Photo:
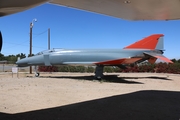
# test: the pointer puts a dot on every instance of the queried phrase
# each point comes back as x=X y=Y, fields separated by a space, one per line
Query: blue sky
x=72 y=28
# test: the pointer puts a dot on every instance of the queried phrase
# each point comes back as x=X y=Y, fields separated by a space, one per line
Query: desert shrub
x=63 y=68
x=146 y=68
x=77 y=69
x=47 y=69
x=108 y=69
x=158 y=67
x=90 y=69
x=66 y=68
x=111 y=69
x=168 y=68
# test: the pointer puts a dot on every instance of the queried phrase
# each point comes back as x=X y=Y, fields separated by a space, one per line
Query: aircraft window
x=45 y=51
x=49 y=51
x=39 y=53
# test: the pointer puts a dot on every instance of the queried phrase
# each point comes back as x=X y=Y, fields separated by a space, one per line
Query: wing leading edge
x=126 y=9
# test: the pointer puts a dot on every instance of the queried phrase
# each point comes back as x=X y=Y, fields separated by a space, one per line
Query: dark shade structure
x=1 y=41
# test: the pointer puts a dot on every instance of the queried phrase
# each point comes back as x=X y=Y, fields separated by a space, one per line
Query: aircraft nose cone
x=22 y=62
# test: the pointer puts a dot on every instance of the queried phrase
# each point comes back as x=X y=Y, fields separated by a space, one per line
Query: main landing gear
x=99 y=72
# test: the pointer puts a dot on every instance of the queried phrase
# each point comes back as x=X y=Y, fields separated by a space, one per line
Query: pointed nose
x=22 y=62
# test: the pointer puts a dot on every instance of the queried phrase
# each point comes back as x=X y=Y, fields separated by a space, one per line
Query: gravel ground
x=77 y=96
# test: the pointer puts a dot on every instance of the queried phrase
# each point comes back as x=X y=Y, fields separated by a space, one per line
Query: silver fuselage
x=79 y=56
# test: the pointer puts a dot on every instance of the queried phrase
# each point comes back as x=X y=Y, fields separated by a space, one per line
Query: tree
x=1 y=56
x=174 y=60
x=178 y=61
x=31 y=55
x=21 y=55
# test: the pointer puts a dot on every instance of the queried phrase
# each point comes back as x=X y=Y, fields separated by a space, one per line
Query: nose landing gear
x=37 y=74
x=36 y=71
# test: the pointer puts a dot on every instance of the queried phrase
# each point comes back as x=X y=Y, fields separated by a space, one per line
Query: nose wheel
x=36 y=71
x=37 y=74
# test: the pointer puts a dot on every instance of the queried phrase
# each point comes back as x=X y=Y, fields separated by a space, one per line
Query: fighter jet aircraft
x=149 y=48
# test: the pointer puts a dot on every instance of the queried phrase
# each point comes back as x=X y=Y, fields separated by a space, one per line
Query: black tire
x=37 y=74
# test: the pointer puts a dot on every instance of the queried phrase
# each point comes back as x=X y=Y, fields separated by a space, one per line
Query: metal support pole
x=49 y=39
x=30 y=53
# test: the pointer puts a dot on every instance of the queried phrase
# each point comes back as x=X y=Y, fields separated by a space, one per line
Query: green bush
x=158 y=67
x=90 y=69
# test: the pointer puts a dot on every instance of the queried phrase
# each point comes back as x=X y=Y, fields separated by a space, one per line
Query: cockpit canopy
x=49 y=51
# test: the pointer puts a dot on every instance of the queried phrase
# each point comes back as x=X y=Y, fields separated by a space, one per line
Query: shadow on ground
x=111 y=78
x=142 y=105
x=106 y=78
x=151 y=77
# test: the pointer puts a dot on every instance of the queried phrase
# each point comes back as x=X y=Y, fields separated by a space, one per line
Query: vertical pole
x=49 y=39
x=3 y=67
x=30 y=53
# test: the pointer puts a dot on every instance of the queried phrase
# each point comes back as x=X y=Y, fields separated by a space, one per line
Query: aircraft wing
x=118 y=61
x=8 y=7
x=125 y=9
x=128 y=9
x=109 y=62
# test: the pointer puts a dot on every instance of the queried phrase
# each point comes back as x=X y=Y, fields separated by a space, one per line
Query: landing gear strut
x=99 y=72
x=36 y=71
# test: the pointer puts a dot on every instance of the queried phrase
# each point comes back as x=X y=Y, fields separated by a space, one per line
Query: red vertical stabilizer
x=149 y=42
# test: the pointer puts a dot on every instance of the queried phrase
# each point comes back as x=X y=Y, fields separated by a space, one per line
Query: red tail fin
x=149 y=42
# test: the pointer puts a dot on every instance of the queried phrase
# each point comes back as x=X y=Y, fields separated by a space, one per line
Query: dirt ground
x=77 y=96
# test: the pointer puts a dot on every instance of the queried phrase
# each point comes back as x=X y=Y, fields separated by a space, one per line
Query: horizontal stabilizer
x=159 y=56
